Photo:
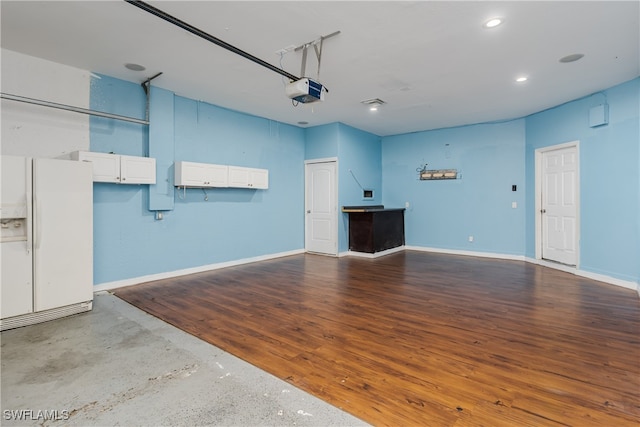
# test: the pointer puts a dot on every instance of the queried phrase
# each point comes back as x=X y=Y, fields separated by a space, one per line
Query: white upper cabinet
x=137 y=170
x=106 y=167
x=190 y=174
x=259 y=178
x=118 y=168
x=240 y=177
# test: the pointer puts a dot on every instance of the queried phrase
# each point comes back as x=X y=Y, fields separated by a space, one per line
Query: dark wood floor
x=423 y=339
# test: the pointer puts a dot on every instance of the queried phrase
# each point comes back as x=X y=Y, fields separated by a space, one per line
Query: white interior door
x=321 y=207
x=63 y=233
x=559 y=205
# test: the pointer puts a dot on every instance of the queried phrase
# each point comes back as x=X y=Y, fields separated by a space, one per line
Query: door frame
x=335 y=193
x=538 y=196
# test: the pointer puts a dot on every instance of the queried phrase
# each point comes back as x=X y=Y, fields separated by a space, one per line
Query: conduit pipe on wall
x=65 y=107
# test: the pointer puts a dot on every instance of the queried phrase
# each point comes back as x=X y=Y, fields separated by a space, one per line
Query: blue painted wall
x=359 y=155
x=162 y=147
x=321 y=142
x=443 y=214
x=235 y=224
x=232 y=224
x=111 y=136
x=609 y=177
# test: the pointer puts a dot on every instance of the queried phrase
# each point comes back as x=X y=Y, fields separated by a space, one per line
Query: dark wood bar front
x=375 y=229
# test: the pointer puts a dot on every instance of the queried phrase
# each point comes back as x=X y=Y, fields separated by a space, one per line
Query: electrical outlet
x=470 y=239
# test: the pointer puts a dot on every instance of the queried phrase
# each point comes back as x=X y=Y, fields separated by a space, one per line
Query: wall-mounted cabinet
x=240 y=177
x=201 y=175
x=119 y=169
x=190 y=174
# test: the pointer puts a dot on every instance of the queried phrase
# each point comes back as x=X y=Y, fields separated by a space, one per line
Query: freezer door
x=16 y=295
x=16 y=279
x=63 y=233
x=16 y=187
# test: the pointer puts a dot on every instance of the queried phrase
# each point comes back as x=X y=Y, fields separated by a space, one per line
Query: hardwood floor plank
x=423 y=339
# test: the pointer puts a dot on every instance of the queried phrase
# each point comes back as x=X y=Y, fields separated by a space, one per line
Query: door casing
x=538 y=196
x=334 y=230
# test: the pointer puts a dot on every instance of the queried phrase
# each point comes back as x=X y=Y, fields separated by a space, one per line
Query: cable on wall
x=356 y=179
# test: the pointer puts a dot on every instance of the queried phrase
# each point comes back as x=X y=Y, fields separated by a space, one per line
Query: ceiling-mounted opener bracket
x=146 y=85
x=318 y=51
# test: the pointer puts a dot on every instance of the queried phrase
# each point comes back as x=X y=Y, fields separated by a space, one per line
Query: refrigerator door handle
x=38 y=223
x=28 y=230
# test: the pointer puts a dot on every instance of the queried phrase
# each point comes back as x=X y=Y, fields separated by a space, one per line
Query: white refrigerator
x=46 y=240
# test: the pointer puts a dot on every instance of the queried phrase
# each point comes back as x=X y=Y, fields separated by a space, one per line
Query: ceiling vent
x=373 y=104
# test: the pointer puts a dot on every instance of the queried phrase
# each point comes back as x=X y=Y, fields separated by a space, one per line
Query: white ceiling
x=432 y=62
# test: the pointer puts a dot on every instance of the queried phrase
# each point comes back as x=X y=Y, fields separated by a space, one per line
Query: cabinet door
x=217 y=176
x=137 y=170
x=239 y=177
x=106 y=167
x=259 y=178
x=190 y=174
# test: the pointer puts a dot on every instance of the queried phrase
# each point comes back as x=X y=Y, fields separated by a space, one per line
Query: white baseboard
x=373 y=255
x=589 y=275
x=170 y=274
x=467 y=253
x=594 y=276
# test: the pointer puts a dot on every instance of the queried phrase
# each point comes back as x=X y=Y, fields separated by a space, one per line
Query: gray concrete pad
x=118 y=366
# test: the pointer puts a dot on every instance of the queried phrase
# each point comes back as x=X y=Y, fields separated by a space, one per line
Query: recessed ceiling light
x=493 y=22
x=521 y=79
x=571 y=58
x=302 y=123
x=134 y=67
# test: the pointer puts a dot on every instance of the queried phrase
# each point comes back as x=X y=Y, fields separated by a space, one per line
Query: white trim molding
x=569 y=269
x=373 y=255
x=322 y=160
x=466 y=253
x=170 y=274
x=587 y=274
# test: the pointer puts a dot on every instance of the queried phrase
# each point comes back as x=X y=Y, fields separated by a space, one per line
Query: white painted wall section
x=36 y=131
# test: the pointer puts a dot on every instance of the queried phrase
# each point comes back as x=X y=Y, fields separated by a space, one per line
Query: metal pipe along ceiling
x=193 y=30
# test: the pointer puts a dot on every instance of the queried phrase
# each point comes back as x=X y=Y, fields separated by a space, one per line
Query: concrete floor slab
x=119 y=366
